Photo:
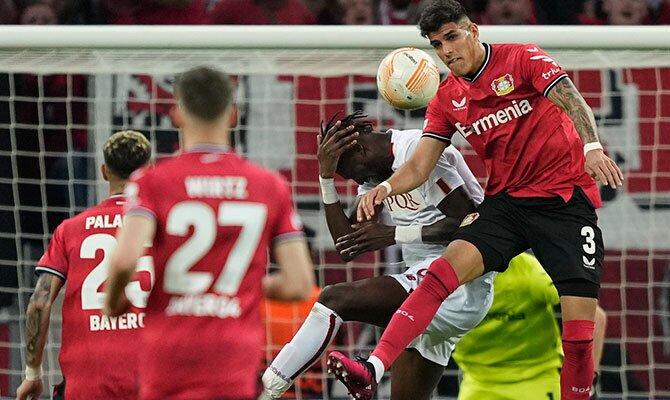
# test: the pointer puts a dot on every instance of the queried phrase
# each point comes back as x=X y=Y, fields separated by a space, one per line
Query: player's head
x=453 y=36
x=205 y=98
x=124 y=152
x=371 y=158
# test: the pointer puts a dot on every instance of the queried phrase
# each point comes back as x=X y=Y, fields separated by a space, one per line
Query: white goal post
x=65 y=89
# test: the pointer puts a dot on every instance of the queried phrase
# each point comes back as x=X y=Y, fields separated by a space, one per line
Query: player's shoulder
x=511 y=48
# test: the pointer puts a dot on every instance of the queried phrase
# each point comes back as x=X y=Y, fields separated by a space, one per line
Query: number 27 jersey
x=216 y=216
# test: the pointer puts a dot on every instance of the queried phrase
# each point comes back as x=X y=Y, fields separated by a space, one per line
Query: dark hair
x=351 y=119
x=438 y=13
x=126 y=151
x=204 y=92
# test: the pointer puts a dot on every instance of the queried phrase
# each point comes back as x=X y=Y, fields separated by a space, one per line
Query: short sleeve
x=289 y=225
x=539 y=68
x=55 y=260
x=436 y=125
x=139 y=197
x=443 y=179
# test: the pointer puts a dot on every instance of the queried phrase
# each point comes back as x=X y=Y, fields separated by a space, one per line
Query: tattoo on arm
x=38 y=309
x=566 y=96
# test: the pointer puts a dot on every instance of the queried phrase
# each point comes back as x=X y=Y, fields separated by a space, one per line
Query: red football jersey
x=529 y=145
x=216 y=216
x=99 y=354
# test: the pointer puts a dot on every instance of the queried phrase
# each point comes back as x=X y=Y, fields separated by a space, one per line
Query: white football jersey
x=420 y=205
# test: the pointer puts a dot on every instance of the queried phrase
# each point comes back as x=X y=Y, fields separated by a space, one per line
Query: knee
x=333 y=297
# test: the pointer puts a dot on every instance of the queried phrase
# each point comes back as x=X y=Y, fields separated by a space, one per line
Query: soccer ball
x=408 y=78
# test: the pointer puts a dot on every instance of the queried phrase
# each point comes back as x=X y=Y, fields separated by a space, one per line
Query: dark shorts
x=564 y=237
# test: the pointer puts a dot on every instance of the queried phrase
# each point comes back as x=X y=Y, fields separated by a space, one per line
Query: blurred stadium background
x=63 y=90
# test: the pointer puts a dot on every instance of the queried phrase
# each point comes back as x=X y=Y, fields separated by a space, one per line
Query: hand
x=603 y=169
x=367 y=203
x=336 y=141
x=30 y=389
x=368 y=236
x=121 y=306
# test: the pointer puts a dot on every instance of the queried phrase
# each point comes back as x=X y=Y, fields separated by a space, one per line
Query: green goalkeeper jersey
x=519 y=337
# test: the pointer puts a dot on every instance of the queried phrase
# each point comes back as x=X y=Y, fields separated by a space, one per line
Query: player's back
x=98 y=354
x=216 y=216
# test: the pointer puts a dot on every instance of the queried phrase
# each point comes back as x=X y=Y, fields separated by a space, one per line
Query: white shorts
x=461 y=311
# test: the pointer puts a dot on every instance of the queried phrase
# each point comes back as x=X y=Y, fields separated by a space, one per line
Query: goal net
x=64 y=90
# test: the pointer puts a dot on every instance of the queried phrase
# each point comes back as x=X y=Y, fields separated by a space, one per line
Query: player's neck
x=480 y=59
x=116 y=188
x=214 y=135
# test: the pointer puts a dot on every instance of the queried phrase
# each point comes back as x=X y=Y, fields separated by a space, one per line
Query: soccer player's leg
x=413 y=377
x=486 y=241
x=567 y=241
x=371 y=300
x=418 y=369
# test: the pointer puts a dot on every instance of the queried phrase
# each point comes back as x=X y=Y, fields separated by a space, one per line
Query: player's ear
x=232 y=116
x=177 y=116
x=103 y=170
x=474 y=31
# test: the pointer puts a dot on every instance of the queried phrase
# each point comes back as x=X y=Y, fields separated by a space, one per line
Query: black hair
x=361 y=127
x=438 y=13
x=205 y=93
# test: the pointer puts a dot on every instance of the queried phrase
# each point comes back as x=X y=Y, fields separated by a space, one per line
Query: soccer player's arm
x=446 y=190
x=52 y=268
x=554 y=83
x=294 y=279
x=415 y=171
x=137 y=231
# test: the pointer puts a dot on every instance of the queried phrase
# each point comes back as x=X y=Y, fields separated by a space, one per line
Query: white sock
x=307 y=346
x=378 y=366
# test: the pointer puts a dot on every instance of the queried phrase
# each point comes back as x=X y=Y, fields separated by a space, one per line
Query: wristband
x=33 y=374
x=328 y=191
x=408 y=234
x=592 y=146
x=386 y=186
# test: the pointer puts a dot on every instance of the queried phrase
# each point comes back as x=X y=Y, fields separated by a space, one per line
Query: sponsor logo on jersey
x=499 y=117
x=551 y=73
x=503 y=85
x=459 y=105
x=470 y=218
x=403 y=203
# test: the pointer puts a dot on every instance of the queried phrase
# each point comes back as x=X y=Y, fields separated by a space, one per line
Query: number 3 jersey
x=216 y=216
x=98 y=355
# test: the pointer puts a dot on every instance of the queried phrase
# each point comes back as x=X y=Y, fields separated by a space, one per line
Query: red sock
x=577 y=372
x=415 y=314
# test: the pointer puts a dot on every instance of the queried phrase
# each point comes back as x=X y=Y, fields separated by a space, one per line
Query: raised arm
x=37 y=326
x=602 y=168
x=408 y=177
x=132 y=237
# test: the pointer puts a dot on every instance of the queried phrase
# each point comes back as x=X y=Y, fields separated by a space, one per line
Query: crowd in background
x=327 y=12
